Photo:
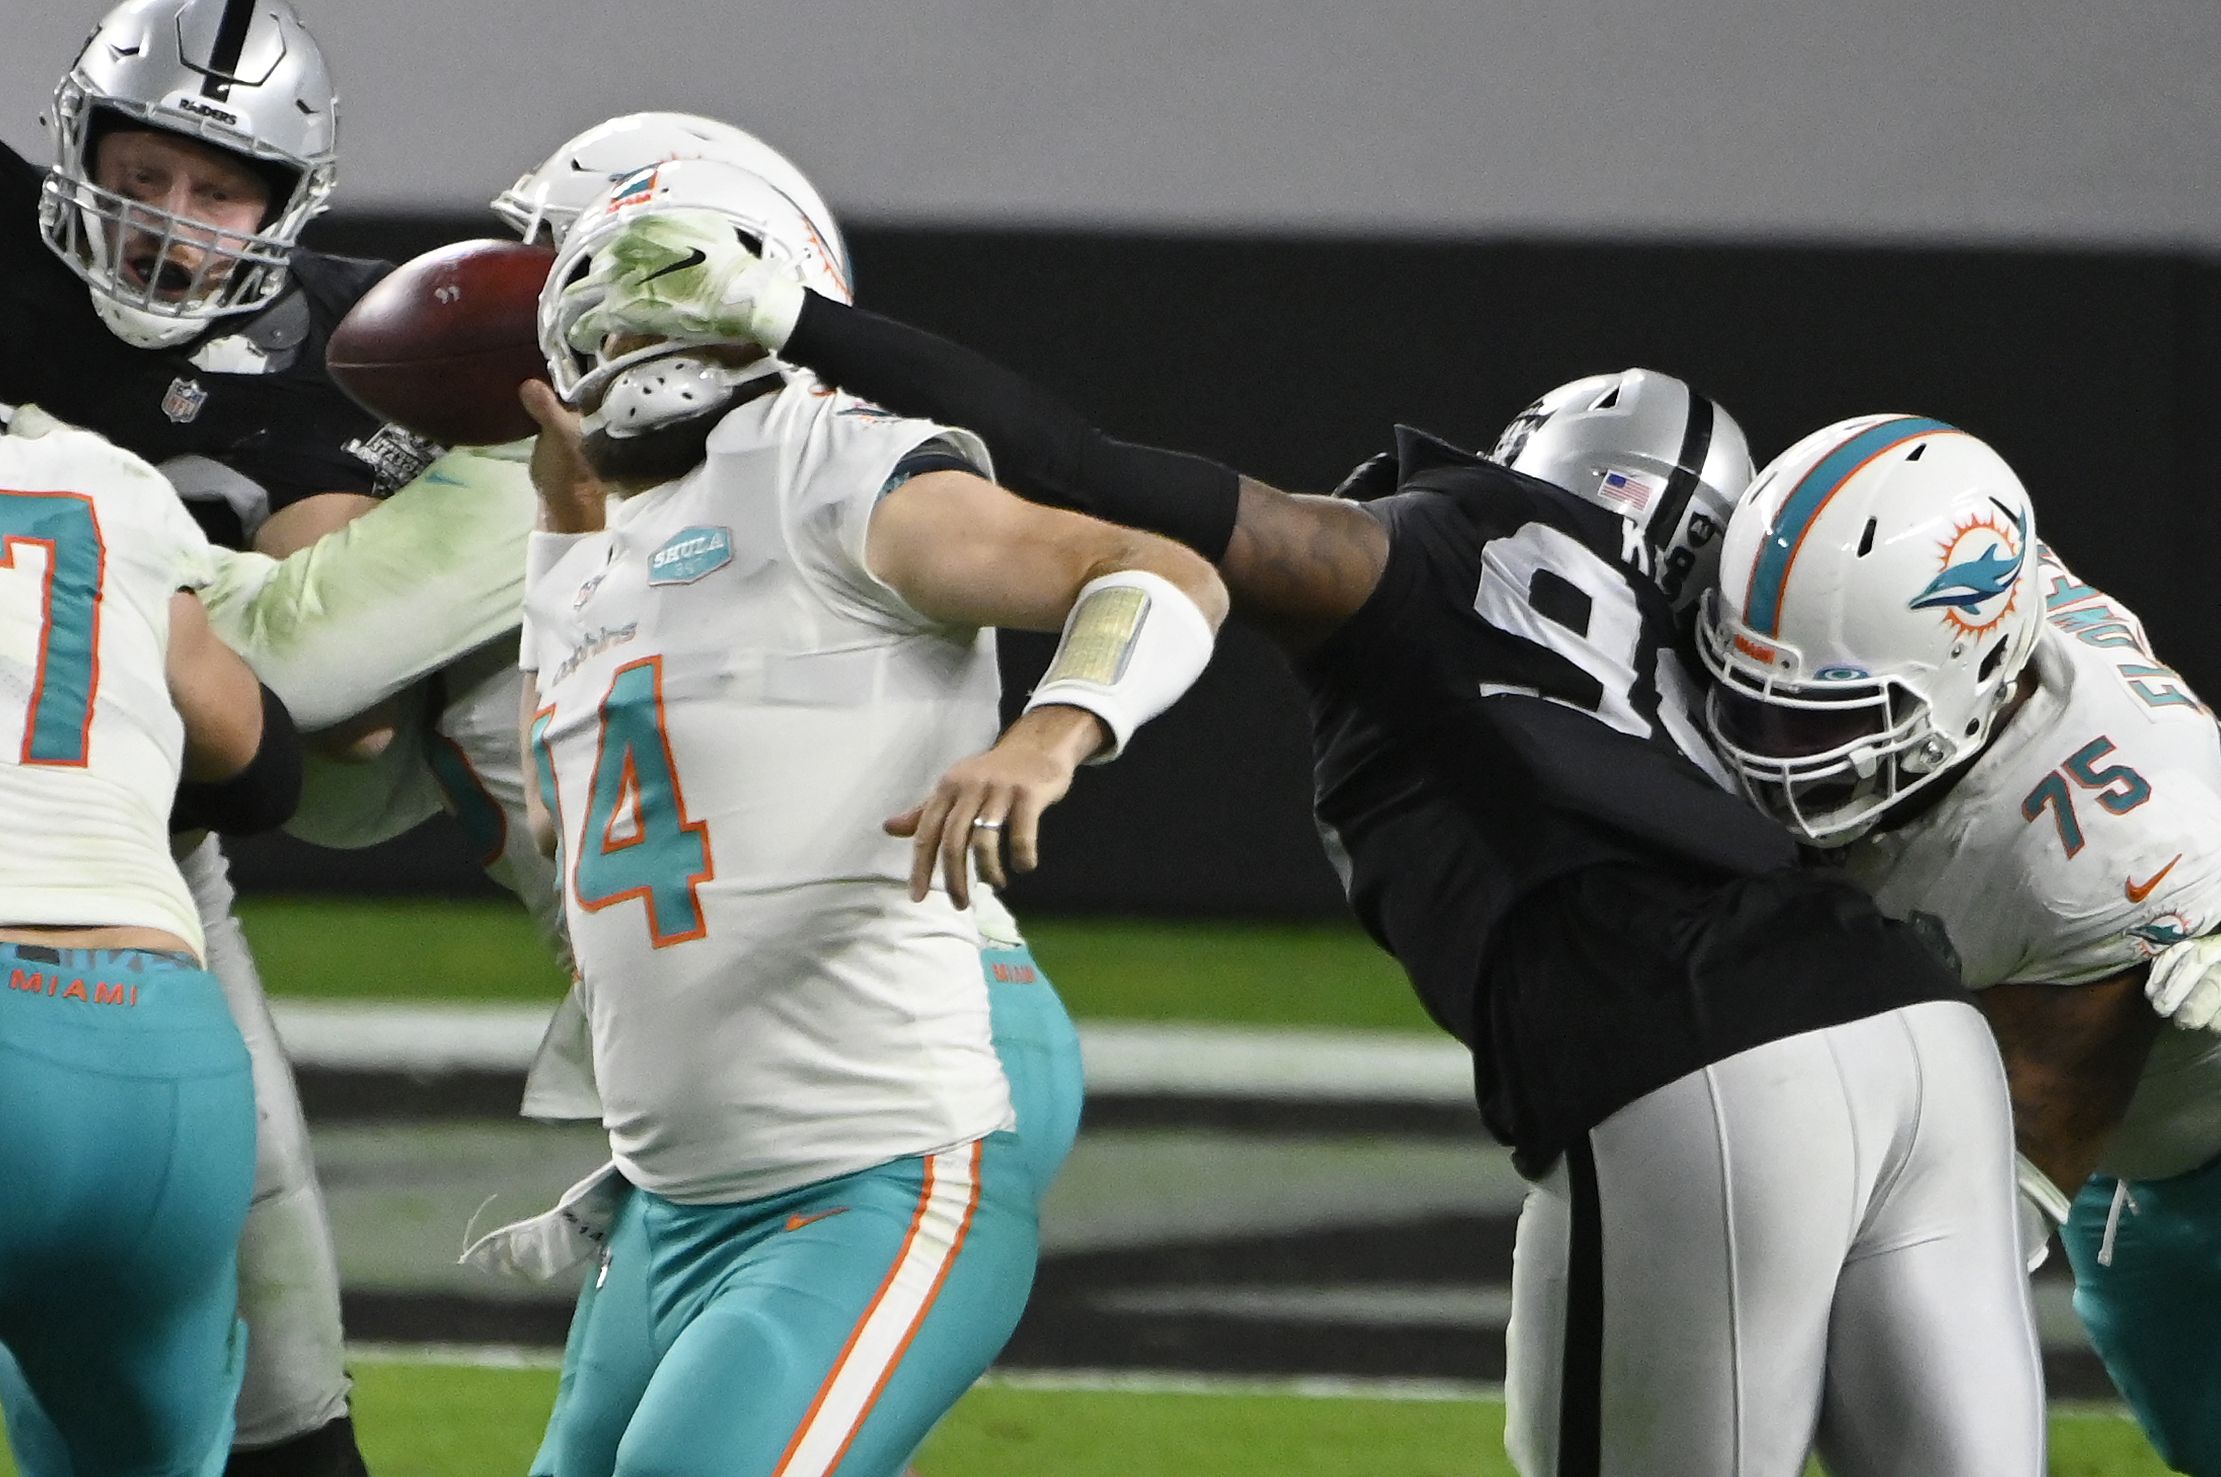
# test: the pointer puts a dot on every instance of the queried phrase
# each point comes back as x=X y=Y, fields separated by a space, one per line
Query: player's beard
x=654 y=457
x=669 y=451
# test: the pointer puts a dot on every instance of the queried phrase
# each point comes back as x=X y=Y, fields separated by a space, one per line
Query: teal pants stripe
x=622 y=1335
x=128 y=1164
x=2154 y=1312
x=815 y=1333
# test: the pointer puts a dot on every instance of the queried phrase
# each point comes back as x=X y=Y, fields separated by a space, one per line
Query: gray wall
x=2058 y=120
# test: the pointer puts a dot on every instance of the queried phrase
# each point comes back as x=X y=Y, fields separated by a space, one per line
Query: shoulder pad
x=1374 y=477
x=336 y=283
x=1422 y=451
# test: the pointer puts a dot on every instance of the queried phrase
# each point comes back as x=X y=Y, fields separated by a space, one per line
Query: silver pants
x=288 y=1274
x=1807 y=1247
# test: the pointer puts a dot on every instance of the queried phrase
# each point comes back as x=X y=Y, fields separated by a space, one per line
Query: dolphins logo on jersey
x=1982 y=561
x=2162 y=932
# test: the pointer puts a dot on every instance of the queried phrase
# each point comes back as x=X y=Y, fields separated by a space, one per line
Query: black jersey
x=266 y=413
x=1514 y=685
x=1506 y=721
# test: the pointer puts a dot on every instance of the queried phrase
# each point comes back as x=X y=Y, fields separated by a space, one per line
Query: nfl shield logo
x=184 y=400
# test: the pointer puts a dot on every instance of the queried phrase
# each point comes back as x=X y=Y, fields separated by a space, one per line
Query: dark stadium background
x=2096 y=373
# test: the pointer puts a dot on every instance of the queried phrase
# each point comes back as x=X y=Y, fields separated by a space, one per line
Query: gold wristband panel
x=1099 y=639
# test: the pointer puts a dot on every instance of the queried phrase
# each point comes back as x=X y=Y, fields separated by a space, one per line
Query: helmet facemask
x=148 y=67
x=1828 y=756
x=1879 y=604
x=649 y=407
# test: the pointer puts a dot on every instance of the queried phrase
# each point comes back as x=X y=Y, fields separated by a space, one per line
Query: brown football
x=442 y=343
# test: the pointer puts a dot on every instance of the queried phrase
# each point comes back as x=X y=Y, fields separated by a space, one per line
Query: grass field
x=421 y=1417
x=1261 y=974
x=429 y=1419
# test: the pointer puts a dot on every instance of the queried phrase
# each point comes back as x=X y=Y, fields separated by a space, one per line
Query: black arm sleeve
x=1044 y=450
x=260 y=797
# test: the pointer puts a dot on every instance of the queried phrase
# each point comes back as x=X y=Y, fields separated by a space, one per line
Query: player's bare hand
x=573 y=498
x=995 y=800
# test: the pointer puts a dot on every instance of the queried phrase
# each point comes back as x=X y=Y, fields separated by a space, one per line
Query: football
x=441 y=344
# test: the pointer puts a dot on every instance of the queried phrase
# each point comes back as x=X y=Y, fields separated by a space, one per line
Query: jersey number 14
x=634 y=839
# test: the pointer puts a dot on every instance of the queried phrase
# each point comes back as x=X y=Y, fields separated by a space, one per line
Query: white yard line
x=1123 y=1057
x=1119 y=1381
x=1116 y=1381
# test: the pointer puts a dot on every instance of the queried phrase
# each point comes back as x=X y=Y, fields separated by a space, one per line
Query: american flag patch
x=1632 y=495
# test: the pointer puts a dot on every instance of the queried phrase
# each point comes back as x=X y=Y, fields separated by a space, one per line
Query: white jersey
x=2079 y=845
x=476 y=754
x=730 y=705
x=93 y=543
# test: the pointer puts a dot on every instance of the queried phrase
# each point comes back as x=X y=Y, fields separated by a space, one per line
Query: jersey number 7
x=57 y=723
x=634 y=840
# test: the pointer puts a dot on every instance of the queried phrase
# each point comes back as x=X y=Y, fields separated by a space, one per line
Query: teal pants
x=125 y=1173
x=1040 y=1053
x=2154 y=1312
x=784 y=1290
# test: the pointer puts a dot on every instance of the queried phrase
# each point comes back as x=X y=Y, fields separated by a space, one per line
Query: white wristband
x=1132 y=645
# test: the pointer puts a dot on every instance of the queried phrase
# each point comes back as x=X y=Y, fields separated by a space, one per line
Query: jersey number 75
x=2118 y=788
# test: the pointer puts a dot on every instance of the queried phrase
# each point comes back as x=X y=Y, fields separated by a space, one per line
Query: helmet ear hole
x=1991 y=662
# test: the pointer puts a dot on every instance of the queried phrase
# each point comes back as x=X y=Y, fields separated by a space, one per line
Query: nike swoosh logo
x=694 y=258
x=797 y=1222
x=2138 y=891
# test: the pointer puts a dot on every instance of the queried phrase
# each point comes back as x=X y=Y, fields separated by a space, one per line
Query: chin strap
x=144 y=330
x=667 y=389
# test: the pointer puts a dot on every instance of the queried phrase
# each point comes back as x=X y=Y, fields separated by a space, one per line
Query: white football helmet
x=547 y=198
x=1648 y=447
x=243 y=76
x=1877 y=601
x=643 y=388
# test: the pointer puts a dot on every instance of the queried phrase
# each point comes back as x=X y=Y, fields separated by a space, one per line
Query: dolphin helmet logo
x=1982 y=562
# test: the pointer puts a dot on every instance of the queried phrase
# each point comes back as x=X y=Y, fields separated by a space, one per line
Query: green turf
x=1297 y=974
x=443 y=1421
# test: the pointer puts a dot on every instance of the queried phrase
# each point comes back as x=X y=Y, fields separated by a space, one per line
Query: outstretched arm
x=1299 y=565
x=386 y=598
